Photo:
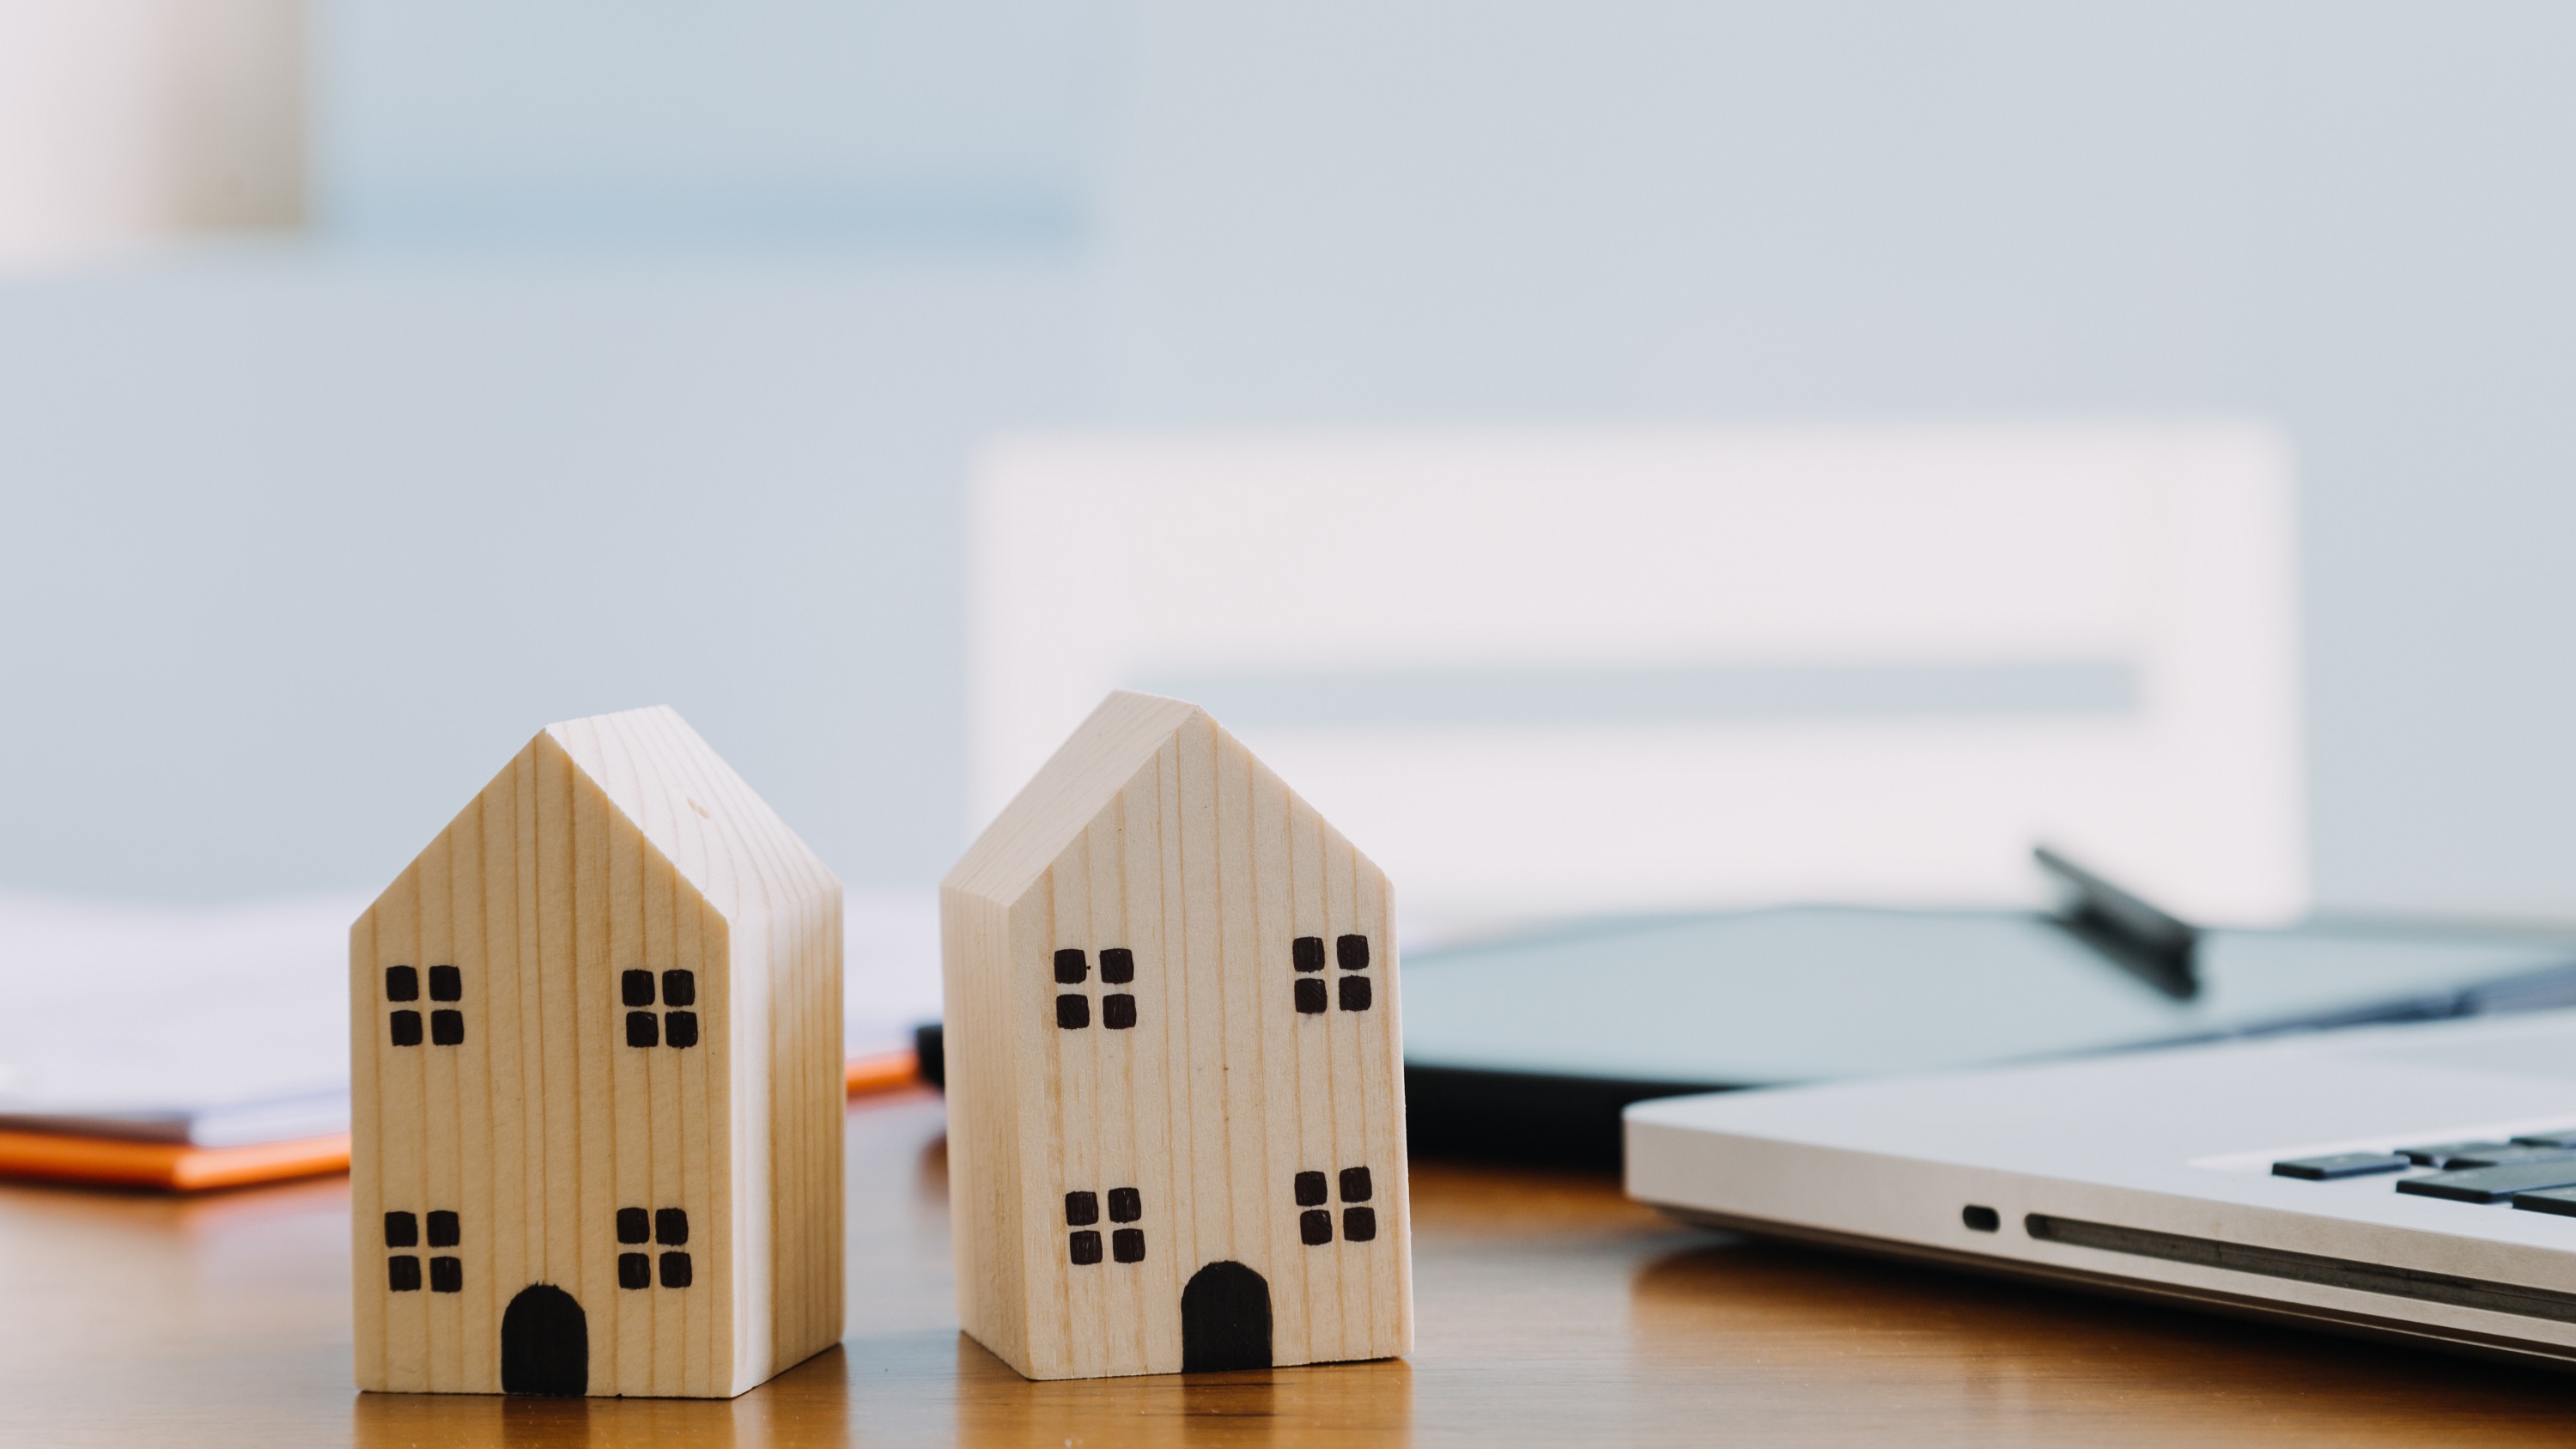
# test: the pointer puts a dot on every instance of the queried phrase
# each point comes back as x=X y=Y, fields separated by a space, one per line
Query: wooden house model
x=1175 y=1099
x=595 y=1055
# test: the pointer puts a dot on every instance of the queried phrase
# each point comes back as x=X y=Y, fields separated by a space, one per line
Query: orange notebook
x=180 y=1167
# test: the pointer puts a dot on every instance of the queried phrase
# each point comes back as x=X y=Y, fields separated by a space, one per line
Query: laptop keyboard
x=2536 y=1171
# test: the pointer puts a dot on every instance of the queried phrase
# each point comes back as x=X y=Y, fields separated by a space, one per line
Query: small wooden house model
x=1175 y=1099
x=595 y=1056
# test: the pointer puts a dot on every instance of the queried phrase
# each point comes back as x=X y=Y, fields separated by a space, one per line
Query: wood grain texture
x=1234 y=1071
x=610 y=845
x=1552 y=1312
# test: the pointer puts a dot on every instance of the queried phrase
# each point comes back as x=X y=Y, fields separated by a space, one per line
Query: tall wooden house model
x=1176 y=1113
x=595 y=1052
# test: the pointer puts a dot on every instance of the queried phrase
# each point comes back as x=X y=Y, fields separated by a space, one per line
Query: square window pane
x=679 y=988
x=1073 y=1012
x=446 y=1028
x=1355 y=993
x=680 y=1028
x=402 y=983
x=635 y=988
x=1359 y=1224
x=402 y=1230
x=1127 y=1245
x=643 y=1029
x=1126 y=1204
x=1310 y=994
x=1086 y=1248
x=1310 y=1188
x=670 y=1227
x=402 y=1274
x=1117 y=965
x=1307 y=952
x=1315 y=1227
x=1118 y=1011
x=443 y=1229
x=634 y=1225
x=446 y=983
x=1081 y=1209
x=1351 y=952
x=446 y=1275
x=675 y=1270
x=634 y=1270
x=1071 y=966
x=406 y=1026
x=1355 y=1184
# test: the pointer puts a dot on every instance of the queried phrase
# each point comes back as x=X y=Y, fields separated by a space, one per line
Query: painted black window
x=671 y=1227
x=406 y=1028
x=402 y=1230
x=1315 y=1227
x=643 y=1028
x=1082 y=1209
x=402 y=1274
x=446 y=983
x=402 y=983
x=1307 y=952
x=634 y=1270
x=1310 y=995
x=1351 y=952
x=634 y=1225
x=446 y=1275
x=1071 y=967
x=1359 y=1224
x=444 y=1231
x=1355 y=1184
x=1310 y=1189
x=675 y=1270
x=1355 y=993
x=1118 y=1011
x=1117 y=965
x=446 y=1028
x=1073 y=1011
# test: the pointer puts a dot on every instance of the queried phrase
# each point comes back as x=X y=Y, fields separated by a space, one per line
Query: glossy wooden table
x=1551 y=1312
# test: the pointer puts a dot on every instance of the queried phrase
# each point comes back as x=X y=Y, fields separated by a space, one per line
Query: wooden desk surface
x=1552 y=1312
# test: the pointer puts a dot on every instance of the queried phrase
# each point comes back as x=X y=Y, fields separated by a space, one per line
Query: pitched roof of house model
x=689 y=805
x=1120 y=738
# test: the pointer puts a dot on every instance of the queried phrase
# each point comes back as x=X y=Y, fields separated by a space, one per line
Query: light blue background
x=640 y=349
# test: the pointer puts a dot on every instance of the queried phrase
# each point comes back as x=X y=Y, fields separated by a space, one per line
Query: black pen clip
x=2156 y=946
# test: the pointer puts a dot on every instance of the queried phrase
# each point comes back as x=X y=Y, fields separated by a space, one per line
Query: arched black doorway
x=1225 y=1320
x=545 y=1343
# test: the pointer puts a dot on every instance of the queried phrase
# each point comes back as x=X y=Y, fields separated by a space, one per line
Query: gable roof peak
x=1075 y=784
x=688 y=804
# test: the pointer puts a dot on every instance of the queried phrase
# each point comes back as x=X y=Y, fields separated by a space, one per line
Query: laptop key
x=2441 y=1153
x=2564 y=1138
x=2494 y=1184
x=2560 y=1200
x=2508 y=1157
x=2342 y=1164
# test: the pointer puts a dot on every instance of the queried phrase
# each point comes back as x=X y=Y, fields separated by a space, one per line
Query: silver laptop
x=2407 y=1182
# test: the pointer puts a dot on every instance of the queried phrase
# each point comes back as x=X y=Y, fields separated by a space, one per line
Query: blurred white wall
x=124 y=122
x=710 y=282
x=2350 y=218
x=756 y=121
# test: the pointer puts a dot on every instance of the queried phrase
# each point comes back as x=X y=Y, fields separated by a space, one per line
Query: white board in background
x=1542 y=672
